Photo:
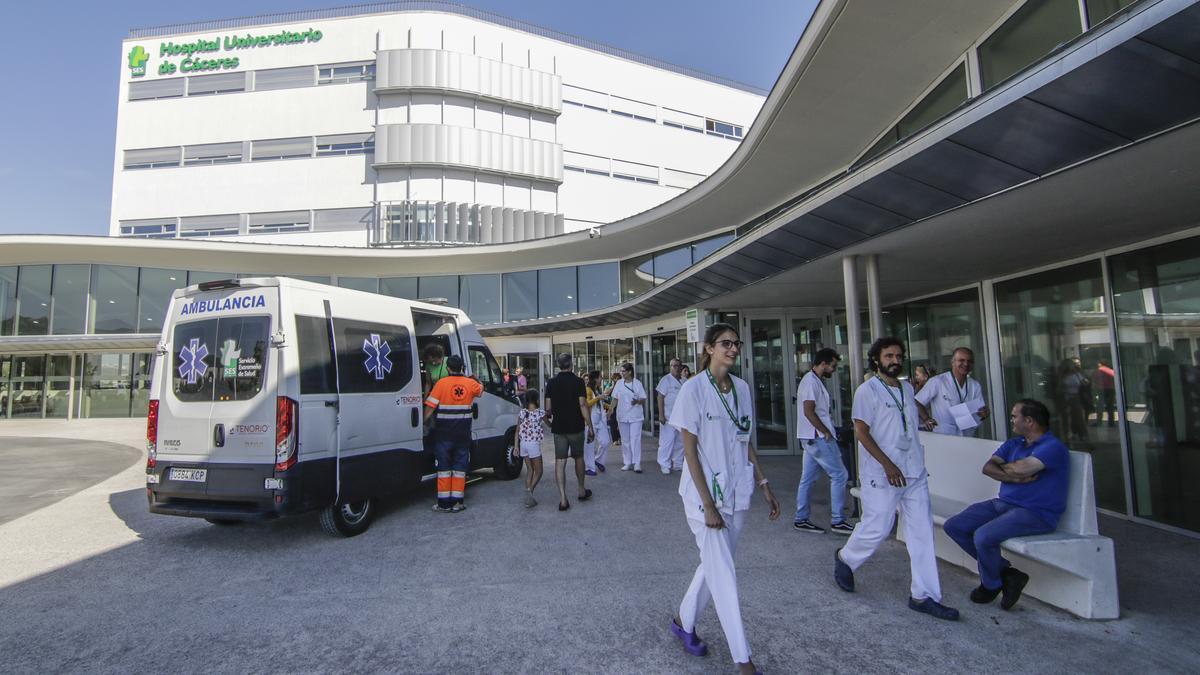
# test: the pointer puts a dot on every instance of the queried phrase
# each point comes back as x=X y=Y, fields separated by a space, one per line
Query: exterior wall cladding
x=521 y=121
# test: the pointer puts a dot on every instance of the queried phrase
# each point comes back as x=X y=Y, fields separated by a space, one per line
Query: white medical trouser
x=716 y=580
x=631 y=442
x=597 y=450
x=879 y=502
x=670 y=447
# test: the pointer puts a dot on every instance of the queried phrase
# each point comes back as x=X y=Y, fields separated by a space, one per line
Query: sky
x=59 y=115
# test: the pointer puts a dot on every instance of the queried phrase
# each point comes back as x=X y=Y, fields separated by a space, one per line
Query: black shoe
x=587 y=494
x=807 y=526
x=981 y=595
x=842 y=574
x=933 y=608
x=842 y=528
x=1013 y=581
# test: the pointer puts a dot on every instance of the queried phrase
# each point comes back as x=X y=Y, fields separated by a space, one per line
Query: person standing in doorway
x=434 y=358
x=714 y=414
x=614 y=429
x=566 y=406
x=815 y=430
x=670 y=441
x=892 y=461
x=522 y=382
x=451 y=399
x=946 y=390
x=630 y=395
x=1104 y=381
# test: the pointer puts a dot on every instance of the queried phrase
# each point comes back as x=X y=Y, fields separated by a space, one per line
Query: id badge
x=904 y=443
x=743 y=436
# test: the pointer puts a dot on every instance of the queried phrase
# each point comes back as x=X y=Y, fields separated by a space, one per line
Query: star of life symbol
x=377 y=352
x=192 y=356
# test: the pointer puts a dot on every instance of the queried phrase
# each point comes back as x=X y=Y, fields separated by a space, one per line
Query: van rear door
x=220 y=411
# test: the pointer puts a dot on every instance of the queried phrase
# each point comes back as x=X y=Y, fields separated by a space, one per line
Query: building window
x=341 y=73
x=152 y=228
x=345 y=144
x=212 y=153
x=1053 y=337
x=445 y=287
x=284 y=78
x=1035 y=30
x=365 y=284
x=154 y=294
x=1156 y=294
x=599 y=286
x=1099 y=10
x=730 y=131
x=481 y=297
x=278 y=222
x=520 y=296
x=637 y=276
x=33 y=300
x=341 y=220
x=69 y=305
x=950 y=93
x=281 y=148
x=149 y=90
x=557 y=293
x=706 y=247
x=152 y=158
x=114 y=299
x=399 y=287
x=220 y=83
x=8 y=302
x=225 y=225
x=669 y=263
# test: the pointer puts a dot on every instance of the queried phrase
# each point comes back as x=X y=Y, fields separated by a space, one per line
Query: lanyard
x=742 y=424
x=900 y=403
x=962 y=393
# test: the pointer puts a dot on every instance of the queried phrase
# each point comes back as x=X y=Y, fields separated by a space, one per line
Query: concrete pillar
x=560 y=224
x=508 y=233
x=485 y=225
x=853 y=329
x=874 y=305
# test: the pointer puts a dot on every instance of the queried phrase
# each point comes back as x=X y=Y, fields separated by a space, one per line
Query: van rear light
x=152 y=435
x=286 y=432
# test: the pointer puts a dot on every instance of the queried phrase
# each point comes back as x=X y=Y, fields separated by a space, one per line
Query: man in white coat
x=630 y=395
x=670 y=441
x=892 y=462
x=954 y=387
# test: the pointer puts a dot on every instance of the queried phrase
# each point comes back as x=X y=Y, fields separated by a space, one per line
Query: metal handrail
x=435 y=6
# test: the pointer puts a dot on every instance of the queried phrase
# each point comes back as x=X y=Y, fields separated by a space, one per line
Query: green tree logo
x=137 y=61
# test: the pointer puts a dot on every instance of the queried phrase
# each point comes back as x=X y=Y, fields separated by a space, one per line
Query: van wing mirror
x=161 y=349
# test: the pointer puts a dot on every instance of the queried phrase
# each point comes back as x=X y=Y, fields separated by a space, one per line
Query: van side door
x=496 y=411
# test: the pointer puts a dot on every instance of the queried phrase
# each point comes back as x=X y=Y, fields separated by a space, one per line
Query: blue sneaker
x=933 y=608
x=842 y=574
x=589 y=472
x=600 y=467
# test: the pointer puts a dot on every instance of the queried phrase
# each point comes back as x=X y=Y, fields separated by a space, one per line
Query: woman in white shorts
x=714 y=411
x=531 y=429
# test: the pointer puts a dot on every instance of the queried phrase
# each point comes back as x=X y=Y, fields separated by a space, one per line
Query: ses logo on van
x=223 y=304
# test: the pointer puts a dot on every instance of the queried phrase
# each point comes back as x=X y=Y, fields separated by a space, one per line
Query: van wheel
x=509 y=465
x=348 y=520
x=224 y=521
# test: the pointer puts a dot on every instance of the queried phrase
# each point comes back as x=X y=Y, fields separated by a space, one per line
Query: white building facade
x=403 y=127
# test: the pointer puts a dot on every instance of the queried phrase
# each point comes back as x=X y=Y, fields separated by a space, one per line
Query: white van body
x=256 y=413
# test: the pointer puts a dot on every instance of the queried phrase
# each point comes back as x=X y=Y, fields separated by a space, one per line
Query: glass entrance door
x=768 y=382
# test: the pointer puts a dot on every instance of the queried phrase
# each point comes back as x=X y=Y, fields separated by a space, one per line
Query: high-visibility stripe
x=458 y=483
x=445 y=484
x=455 y=407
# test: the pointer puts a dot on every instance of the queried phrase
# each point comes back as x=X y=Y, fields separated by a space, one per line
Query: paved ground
x=40 y=471
x=95 y=583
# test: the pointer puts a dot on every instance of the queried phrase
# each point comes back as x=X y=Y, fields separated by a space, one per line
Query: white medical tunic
x=941 y=393
x=878 y=405
x=669 y=387
x=625 y=394
x=699 y=410
x=812 y=388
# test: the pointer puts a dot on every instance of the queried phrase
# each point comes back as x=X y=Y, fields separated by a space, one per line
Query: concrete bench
x=1073 y=567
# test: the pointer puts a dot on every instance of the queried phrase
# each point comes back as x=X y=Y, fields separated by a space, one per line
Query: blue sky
x=58 y=114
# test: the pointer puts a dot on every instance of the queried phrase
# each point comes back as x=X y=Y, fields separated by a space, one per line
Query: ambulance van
x=272 y=396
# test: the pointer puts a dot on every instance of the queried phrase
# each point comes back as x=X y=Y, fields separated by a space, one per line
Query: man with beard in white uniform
x=630 y=395
x=892 y=464
x=670 y=441
x=714 y=414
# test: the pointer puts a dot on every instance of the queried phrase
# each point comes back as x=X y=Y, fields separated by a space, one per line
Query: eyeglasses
x=729 y=344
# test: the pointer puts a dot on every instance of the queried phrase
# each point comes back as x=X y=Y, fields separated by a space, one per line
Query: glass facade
x=480 y=295
x=520 y=296
x=1032 y=32
x=33 y=300
x=114 y=299
x=69 y=292
x=154 y=294
x=599 y=286
x=557 y=292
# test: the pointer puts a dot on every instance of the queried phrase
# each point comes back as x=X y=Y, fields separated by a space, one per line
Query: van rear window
x=221 y=359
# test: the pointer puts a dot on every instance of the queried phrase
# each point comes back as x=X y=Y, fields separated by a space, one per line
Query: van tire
x=348 y=520
x=508 y=465
x=225 y=522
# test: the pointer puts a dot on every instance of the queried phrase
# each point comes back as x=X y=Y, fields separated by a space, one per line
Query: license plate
x=188 y=475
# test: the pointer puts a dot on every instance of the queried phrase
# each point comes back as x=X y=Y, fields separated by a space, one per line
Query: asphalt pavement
x=40 y=471
x=94 y=583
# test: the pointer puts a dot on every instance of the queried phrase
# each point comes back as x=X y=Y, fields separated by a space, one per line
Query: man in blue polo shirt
x=1034 y=471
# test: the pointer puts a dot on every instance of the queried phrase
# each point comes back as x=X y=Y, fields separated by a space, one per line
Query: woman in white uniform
x=714 y=413
x=595 y=451
x=629 y=394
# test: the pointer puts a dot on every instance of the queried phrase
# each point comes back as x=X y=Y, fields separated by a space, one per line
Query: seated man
x=1034 y=470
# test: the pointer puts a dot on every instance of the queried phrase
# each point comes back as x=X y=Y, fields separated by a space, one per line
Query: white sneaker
x=626 y=467
x=665 y=471
x=637 y=468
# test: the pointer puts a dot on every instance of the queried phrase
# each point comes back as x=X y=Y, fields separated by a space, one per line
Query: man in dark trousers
x=566 y=406
x=451 y=399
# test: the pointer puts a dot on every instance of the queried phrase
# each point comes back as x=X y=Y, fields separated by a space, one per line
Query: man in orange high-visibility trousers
x=451 y=399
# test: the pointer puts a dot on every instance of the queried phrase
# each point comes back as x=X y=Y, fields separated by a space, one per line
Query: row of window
x=207 y=154
x=632 y=171
x=72 y=299
x=252 y=80
x=1037 y=28
x=648 y=112
x=234 y=224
